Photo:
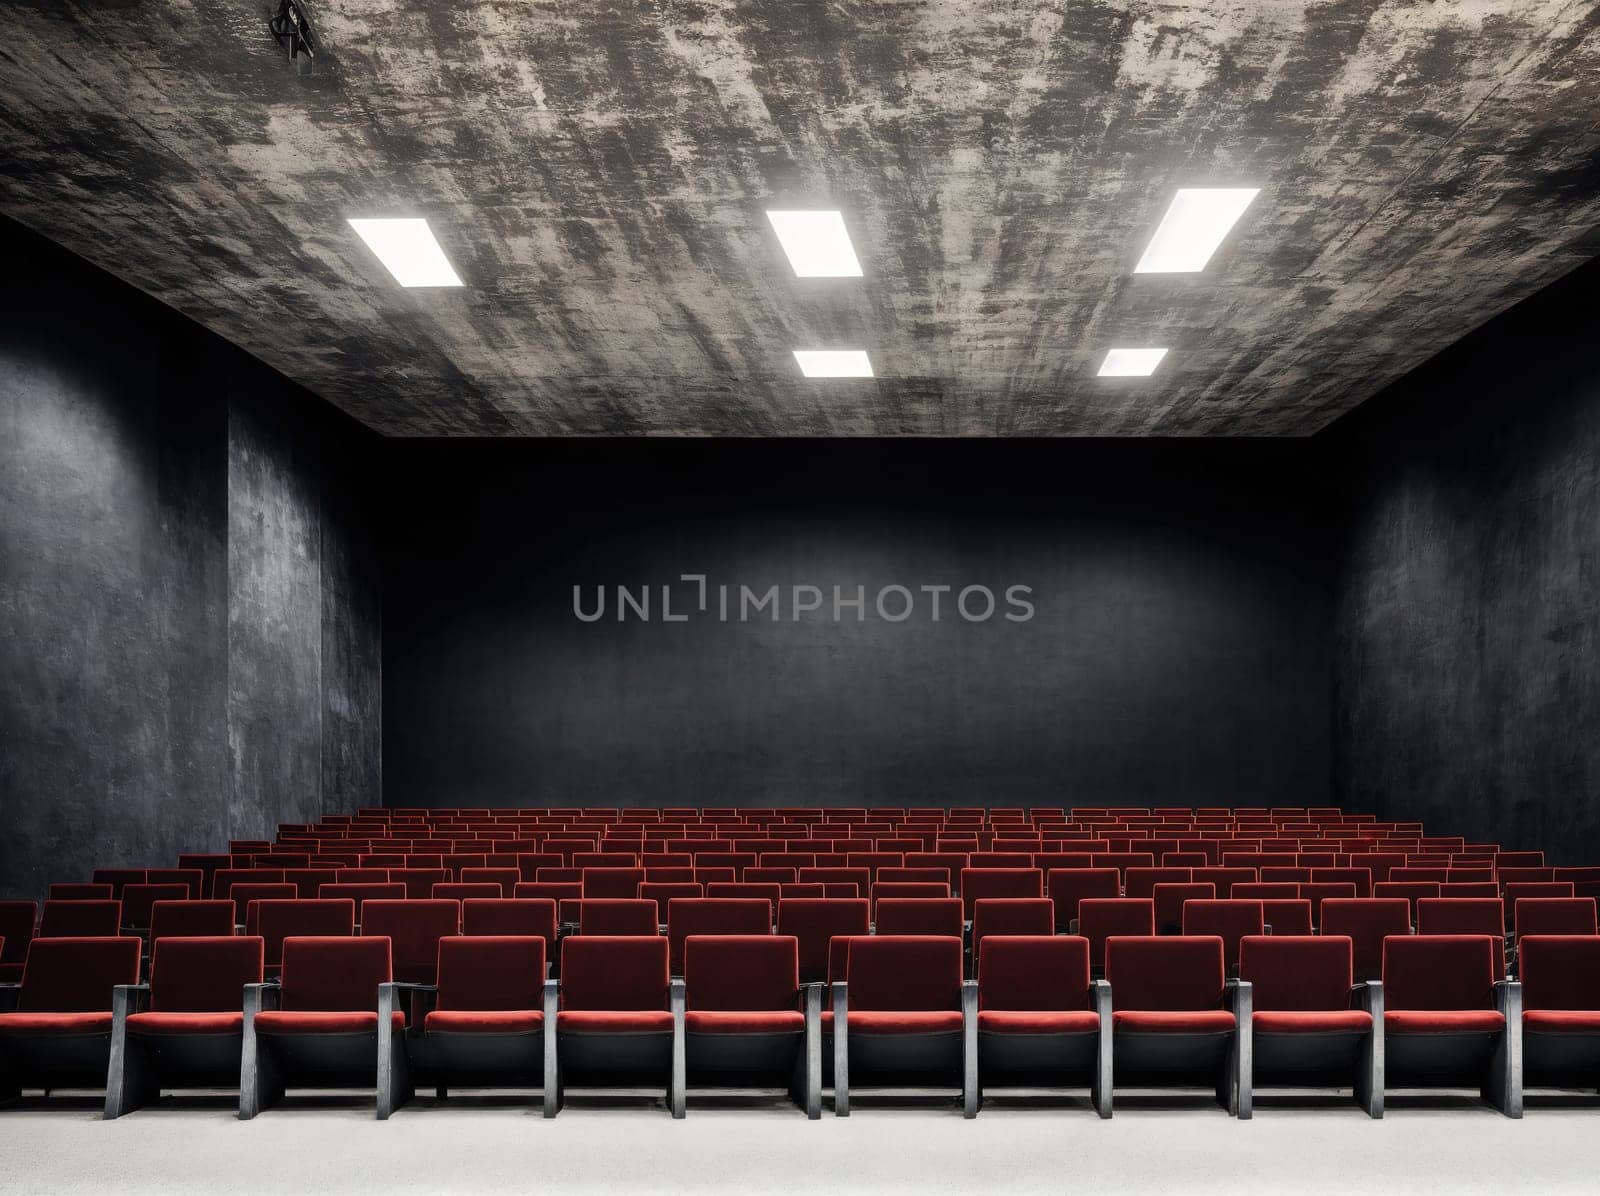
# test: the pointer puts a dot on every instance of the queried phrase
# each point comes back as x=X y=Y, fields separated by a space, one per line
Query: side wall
x=1467 y=627
x=189 y=616
x=1178 y=652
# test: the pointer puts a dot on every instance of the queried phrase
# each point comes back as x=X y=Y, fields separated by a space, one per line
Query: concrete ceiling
x=597 y=171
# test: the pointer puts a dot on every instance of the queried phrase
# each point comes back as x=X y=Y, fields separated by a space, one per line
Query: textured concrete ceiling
x=597 y=171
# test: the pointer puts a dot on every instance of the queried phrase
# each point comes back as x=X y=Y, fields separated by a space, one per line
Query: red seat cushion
x=185 y=1023
x=722 y=1021
x=1313 y=1021
x=1443 y=1021
x=615 y=1021
x=899 y=1021
x=1562 y=1021
x=1038 y=1021
x=483 y=1021
x=321 y=1021
x=1174 y=1021
x=93 y=1022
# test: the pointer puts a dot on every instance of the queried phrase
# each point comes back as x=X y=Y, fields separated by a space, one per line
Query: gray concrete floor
x=478 y=1143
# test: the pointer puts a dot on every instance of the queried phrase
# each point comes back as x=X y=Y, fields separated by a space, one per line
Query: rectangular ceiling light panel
x=1196 y=222
x=817 y=244
x=833 y=363
x=1131 y=363
x=408 y=250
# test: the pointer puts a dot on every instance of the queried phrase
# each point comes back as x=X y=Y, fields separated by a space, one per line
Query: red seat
x=814 y=923
x=901 y=1005
x=998 y=882
x=191 y=919
x=1011 y=915
x=419 y=882
x=1366 y=921
x=1099 y=918
x=1361 y=878
x=1305 y=1023
x=622 y=883
x=1466 y=915
x=1228 y=919
x=1170 y=900
x=511 y=916
x=1172 y=1018
x=611 y=987
x=192 y=1032
x=324 y=1031
x=276 y=921
x=714 y=915
x=414 y=929
x=617 y=916
x=919 y=916
x=1554 y=915
x=1444 y=1017
x=1561 y=1018
x=1067 y=887
x=1038 y=1015
x=1286 y=915
x=742 y=1014
x=59 y=1035
x=490 y=985
x=80 y=919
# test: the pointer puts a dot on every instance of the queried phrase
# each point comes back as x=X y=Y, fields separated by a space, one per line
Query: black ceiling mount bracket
x=292 y=27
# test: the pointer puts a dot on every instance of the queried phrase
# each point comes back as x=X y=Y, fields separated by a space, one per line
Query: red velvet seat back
x=1069 y=886
x=1438 y=971
x=1033 y=972
x=919 y=916
x=1287 y=915
x=247 y=901
x=714 y=915
x=1171 y=898
x=278 y=920
x=1367 y=921
x=419 y=882
x=742 y=972
x=1298 y=972
x=1142 y=882
x=904 y=972
x=1461 y=915
x=998 y=882
x=1166 y=973
x=414 y=929
x=188 y=919
x=204 y=975
x=513 y=916
x=1554 y=915
x=614 y=973
x=1011 y=915
x=1099 y=918
x=80 y=919
x=16 y=928
x=815 y=921
x=76 y=975
x=504 y=878
x=612 y=882
x=616 y=915
x=1361 y=878
x=334 y=974
x=1227 y=918
x=491 y=972
x=1560 y=971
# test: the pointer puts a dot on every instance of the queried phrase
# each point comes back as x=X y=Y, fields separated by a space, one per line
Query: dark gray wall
x=1179 y=652
x=1468 y=615
x=189 y=615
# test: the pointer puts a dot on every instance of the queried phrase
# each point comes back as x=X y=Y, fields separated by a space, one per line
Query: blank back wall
x=1178 y=650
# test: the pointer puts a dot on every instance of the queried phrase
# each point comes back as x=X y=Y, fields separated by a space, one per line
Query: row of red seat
x=1164 y=1012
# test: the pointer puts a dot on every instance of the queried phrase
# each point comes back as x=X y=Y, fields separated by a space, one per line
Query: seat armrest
x=1237 y=998
x=10 y=994
x=1368 y=997
x=1072 y=926
x=1508 y=998
x=266 y=995
x=129 y=998
x=389 y=999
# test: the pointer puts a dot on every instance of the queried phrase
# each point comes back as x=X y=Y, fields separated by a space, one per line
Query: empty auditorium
x=776 y=596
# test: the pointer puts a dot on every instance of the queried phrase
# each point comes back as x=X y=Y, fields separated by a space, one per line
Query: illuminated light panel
x=408 y=250
x=834 y=363
x=1196 y=222
x=817 y=244
x=1131 y=363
